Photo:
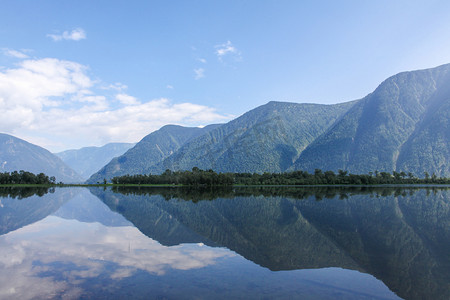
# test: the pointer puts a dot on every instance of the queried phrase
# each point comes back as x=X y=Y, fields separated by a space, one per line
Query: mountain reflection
x=196 y=194
x=400 y=236
x=20 y=206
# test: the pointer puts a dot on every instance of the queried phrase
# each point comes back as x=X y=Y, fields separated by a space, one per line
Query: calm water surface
x=279 y=243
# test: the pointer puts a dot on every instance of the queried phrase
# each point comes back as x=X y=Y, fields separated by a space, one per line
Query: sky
x=86 y=73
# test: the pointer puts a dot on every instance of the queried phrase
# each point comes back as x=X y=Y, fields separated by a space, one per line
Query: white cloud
x=227 y=49
x=74 y=35
x=14 y=53
x=96 y=103
x=55 y=104
x=202 y=60
x=127 y=99
x=36 y=82
x=116 y=86
x=170 y=87
x=199 y=73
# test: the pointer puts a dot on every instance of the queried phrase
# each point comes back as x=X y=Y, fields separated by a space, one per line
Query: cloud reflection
x=49 y=258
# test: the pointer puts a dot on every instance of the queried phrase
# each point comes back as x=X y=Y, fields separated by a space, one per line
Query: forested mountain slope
x=152 y=149
x=268 y=138
x=403 y=125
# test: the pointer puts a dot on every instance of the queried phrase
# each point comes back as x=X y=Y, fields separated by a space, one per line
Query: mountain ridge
x=88 y=160
x=403 y=125
x=371 y=136
x=17 y=154
x=150 y=150
x=281 y=129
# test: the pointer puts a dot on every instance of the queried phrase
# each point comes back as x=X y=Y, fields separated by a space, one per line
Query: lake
x=231 y=243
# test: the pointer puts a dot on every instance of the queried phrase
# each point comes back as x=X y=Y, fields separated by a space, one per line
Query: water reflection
x=23 y=206
x=400 y=236
x=196 y=194
x=231 y=243
x=59 y=257
x=24 y=192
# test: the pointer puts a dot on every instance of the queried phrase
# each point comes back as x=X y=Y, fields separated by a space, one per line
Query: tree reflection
x=24 y=192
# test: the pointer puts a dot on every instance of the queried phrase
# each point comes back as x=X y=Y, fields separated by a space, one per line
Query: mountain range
x=402 y=126
x=150 y=150
x=268 y=138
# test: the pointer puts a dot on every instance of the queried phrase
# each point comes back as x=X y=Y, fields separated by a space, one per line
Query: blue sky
x=82 y=73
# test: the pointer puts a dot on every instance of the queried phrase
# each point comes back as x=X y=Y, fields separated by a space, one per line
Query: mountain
x=86 y=161
x=403 y=125
x=152 y=149
x=266 y=139
x=17 y=154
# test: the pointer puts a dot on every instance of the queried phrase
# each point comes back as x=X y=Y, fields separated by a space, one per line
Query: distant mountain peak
x=88 y=160
x=17 y=154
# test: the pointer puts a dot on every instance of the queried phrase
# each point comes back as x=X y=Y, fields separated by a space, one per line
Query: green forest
x=198 y=177
x=24 y=177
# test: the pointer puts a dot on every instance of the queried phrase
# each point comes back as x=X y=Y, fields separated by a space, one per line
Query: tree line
x=198 y=177
x=24 y=177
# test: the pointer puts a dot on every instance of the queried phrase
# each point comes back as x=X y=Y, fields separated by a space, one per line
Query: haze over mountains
x=71 y=166
x=88 y=160
x=402 y=126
